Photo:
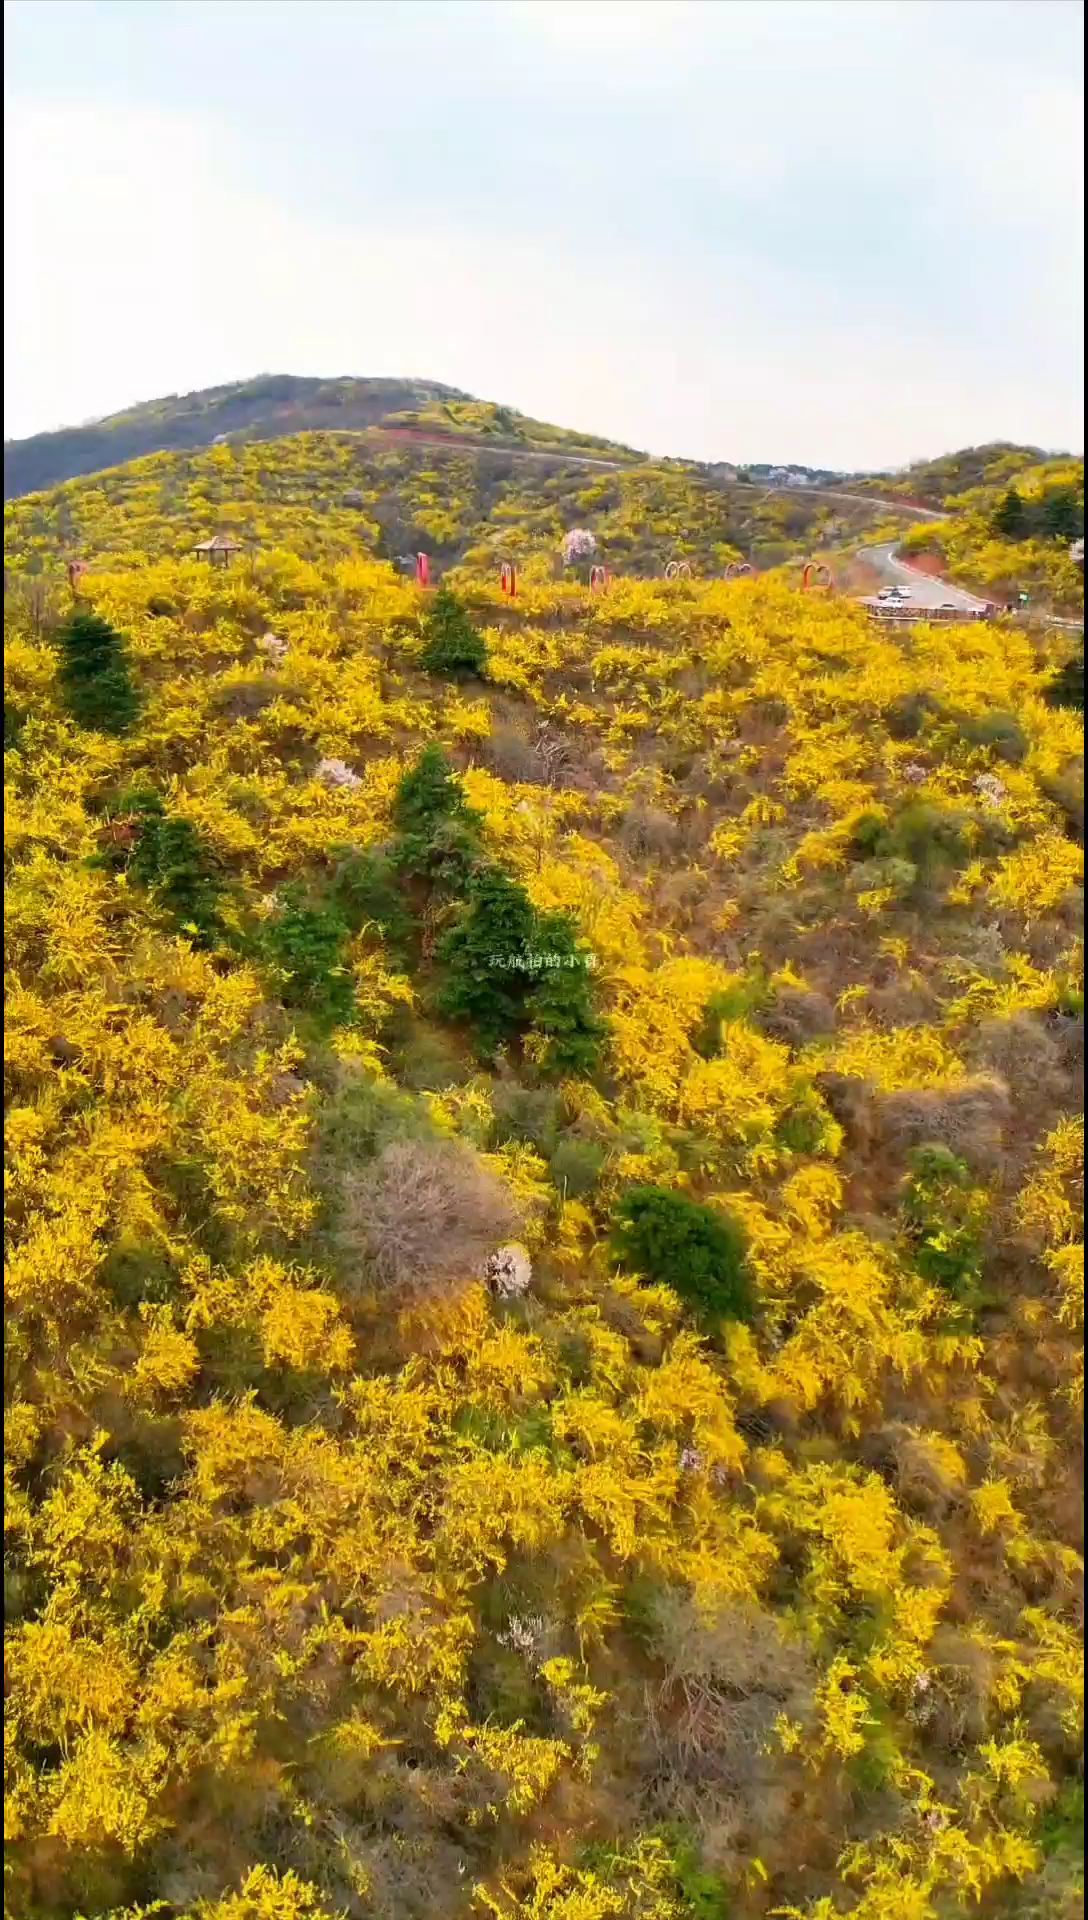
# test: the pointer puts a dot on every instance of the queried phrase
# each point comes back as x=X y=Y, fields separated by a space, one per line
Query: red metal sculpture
x=735 y=568
x=678 y=570
x=812 y=568
x=423 y=570
x=599 y=578
x=509 y=579
x=76 y=571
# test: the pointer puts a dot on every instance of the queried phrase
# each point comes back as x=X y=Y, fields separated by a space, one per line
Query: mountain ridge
x=270 y=406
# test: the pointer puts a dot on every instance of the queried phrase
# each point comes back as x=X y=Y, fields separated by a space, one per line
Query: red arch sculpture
x=678 y=570
x=599 y=578
x=423 y=570
x=816 y=567
x=76 y=571
x=735 y=568
x=508 y=578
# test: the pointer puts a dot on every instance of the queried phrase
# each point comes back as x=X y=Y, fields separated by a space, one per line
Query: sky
x=846 y=233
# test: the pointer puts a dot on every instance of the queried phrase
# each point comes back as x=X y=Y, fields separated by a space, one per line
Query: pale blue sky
x=846 y=232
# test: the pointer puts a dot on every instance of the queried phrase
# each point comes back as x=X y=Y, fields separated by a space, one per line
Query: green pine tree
x=1010 y=519
x=560 y=1006
x=94 y=675
x=486 y=957
x=452 y=645
x=172 y=862
x=437 y=831
x=306 y=946
x=1063 y=519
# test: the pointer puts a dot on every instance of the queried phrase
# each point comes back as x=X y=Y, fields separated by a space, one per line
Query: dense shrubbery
x=717 y=1547
x=1067 y=688
x=1056 y=514
x=366 y=892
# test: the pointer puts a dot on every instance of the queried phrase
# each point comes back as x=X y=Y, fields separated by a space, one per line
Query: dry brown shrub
x=246 y=698
x=796 y=1015
x=707 y=1722
x=906 y=1457
x=1069 y=1030
x=901 y=1005
x=1040 y=1058
x=851 y=1102
x=425 y=1216
x=970 y=1118
x=646 y=833
x=678 y=895
x=509 y=755
x=1021 y=1050
x=954 y=1706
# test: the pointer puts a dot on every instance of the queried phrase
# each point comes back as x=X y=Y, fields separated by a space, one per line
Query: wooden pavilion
x=219 y=551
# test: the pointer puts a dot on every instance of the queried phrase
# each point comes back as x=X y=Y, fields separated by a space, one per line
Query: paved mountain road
x=924 y=591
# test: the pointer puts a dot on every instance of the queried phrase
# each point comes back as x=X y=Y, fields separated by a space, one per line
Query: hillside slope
x=266 y=408
x=326 y=494
x=543 y=1222
x=934 y=482
x=1013 y=533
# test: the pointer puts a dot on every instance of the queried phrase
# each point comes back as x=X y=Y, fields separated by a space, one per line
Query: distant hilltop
x=273 y=406
x=270 y=407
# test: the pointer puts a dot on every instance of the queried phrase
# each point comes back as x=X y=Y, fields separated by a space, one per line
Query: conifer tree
x=438 y=832
x=486 y=955
x=1062 y=520
x=94 y=675
x=452 y=645
x=1011 y=517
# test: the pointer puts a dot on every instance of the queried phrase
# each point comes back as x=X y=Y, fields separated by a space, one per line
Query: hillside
x=1013 y=533
x=543 y=1219
x=265 y=409
x=327 y=494
x=934 y=482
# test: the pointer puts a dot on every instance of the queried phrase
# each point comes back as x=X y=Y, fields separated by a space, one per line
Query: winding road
x=924 y=590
